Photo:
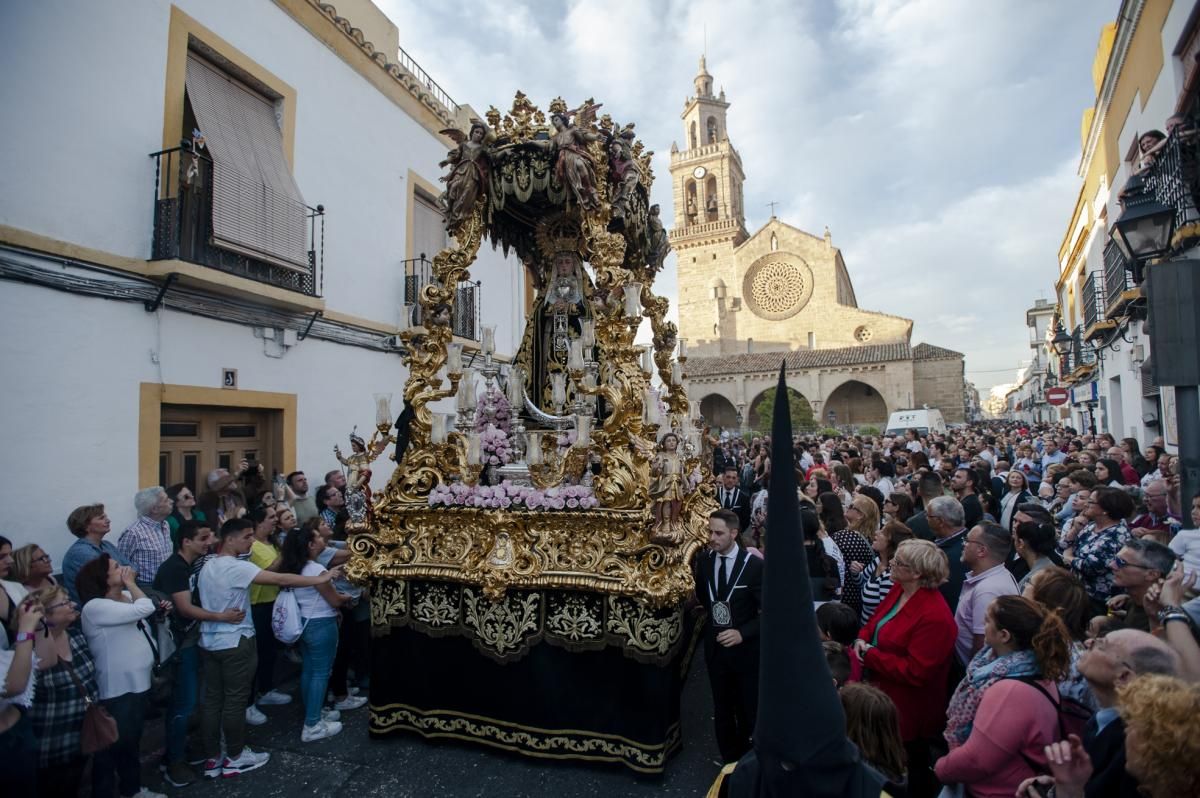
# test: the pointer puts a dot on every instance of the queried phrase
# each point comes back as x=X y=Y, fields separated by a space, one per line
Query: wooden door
x=194 y=440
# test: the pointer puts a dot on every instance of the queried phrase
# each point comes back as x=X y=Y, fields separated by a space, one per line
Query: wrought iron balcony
x=1083 y=354
x=1118 y=282
x=468 y=299
x=183 y=227
x=1094 y=302
x=1174 y=177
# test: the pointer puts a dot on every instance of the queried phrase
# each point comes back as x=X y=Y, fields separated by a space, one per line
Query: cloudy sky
x=938 y=139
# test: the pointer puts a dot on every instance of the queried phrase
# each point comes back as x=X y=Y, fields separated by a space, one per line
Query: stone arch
x=718 y=411
x=712 y=130
x=856 y=403
x=692 y=136
x=691 y=201
x=711 y=201
x=759 y=417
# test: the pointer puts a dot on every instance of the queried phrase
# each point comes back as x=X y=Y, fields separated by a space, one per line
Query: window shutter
x=429 y=231
x=258 y=210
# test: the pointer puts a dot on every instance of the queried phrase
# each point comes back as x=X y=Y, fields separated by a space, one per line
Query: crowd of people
x=174 y=623
x=1008 y=610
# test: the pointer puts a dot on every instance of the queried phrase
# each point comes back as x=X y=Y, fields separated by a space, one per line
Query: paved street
x=351 y=764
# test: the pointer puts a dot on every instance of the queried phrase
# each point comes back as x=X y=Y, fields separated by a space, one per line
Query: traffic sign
x=1057 y=396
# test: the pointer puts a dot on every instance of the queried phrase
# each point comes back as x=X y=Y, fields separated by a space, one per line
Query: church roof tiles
x=931 y=352
x=800 y=359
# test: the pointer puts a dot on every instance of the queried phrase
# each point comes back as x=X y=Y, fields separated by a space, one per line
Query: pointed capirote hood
x=800 y=744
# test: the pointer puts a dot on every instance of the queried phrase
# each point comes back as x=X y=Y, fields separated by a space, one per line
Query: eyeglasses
x=976 y=542
x=44 y=558
x=59 y=604
x=1121 y=562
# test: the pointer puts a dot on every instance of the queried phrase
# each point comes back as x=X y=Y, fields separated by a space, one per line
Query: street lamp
x=1143 y=230
x=1061 y=341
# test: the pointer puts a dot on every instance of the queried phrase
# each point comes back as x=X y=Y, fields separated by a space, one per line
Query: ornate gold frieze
x=544 y=743
x=505 y=630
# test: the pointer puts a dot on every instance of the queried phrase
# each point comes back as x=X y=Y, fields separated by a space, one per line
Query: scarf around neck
x=984 y=670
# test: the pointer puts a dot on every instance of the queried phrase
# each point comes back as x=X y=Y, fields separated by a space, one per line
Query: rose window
x=778 y=289
x=862 y=334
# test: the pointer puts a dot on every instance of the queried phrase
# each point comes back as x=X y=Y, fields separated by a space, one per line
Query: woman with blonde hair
x=32 y=568
x=1005 y=711
x=873 y=725
x=862 y=516
x=906 y=648
x=854 y=545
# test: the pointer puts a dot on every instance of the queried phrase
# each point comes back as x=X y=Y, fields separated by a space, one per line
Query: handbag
x=162 y=676
x=99 y=729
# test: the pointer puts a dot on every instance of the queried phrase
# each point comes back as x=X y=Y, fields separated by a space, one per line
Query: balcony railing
x=1174 y=177
x=183 y=227
x=1093 y=300
x=468 y=299
x=424 y=78
x=1117 y=280
x=1083 y=354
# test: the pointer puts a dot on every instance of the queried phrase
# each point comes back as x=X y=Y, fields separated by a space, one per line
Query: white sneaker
x=350 y=702
x=322 y=729
x=248 y=760
x=273 y=698
x=146 y=793
x=330 y=715
x=352 y=690
x=254 y=716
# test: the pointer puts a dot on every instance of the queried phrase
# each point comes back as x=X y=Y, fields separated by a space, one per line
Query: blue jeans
x=183 y=701
x=318 y=646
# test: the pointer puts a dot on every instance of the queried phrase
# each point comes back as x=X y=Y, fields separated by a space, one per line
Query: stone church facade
x=746 y=301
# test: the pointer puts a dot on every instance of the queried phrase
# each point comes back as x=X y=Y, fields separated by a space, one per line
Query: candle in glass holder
x=648 y=360
x=466 y=391
x=558 y=388
x=383 y=410
x=633 y=299
x=695 y=441
x=405 y=320
x=437 y=429
x=589 y=380
x=516 y=388
x=682 y=347
x=489 y=339
x=583 y=430
x=651 y=399
x=454 y=358
x=676 y=373
x=533 y=451
x=693 y=411
x=588 y=333
x=474 y=448
x=575 y=355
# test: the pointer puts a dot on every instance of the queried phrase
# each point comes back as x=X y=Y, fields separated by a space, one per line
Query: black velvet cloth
x=551 y=703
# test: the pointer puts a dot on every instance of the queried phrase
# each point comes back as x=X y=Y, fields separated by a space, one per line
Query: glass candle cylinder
x=575 y=355
x=474 y=448
x=682 y=347
x=589 y=380
x=405 y=317
x=489 y=339
x=651 y=399
x=633 y=299
x=583 y=430
x=383 y=410
x=588 y=333
x=454 y=359
x=437 y=429
x=676 y=373
x=558 y=388
x=533 y=451
x=648 y=361
x=466 y=391
x=516 y=388
x=695 y=440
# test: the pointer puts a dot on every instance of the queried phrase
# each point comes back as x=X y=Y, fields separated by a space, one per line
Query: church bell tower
x=710 y=219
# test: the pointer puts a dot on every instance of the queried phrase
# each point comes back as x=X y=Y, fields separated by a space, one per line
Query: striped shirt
x=874 y=587
x=147 y=545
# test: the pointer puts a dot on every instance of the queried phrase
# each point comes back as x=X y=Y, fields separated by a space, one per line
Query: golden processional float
x=529 y=560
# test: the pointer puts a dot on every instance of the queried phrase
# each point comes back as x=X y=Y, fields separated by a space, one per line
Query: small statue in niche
x=660 y=244
x=470 y=169
x=667 y=489
x=572 y=165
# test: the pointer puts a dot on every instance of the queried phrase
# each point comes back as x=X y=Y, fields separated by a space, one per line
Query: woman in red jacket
x=906 y=648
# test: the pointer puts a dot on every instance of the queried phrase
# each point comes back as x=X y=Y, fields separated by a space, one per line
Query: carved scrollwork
x=502 y=626
x=641 y=628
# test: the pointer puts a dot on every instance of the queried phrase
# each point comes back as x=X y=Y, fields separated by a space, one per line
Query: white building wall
x=83 y=92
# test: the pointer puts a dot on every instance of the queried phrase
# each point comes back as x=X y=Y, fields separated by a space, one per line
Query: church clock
x=699 y=172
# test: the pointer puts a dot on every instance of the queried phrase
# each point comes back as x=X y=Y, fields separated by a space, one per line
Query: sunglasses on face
x=1121 y=562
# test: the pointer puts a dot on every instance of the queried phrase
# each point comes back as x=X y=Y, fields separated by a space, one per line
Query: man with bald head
x=1107 y=663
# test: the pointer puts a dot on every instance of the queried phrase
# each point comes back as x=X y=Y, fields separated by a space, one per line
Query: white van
x=926 y=420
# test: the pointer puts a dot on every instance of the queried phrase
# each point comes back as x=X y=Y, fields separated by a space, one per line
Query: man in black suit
x=930 y=487
x=729 y=587
x=731 y=497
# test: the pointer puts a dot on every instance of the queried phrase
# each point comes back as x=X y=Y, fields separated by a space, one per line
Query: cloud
x=936 y=138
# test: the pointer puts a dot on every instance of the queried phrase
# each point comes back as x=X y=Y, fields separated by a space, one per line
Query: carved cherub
x=667 y=486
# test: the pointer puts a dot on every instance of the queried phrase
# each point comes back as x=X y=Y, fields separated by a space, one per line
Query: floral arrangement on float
x=507 y=496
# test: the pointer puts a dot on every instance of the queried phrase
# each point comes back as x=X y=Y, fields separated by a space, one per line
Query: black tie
x=727 y=500
x=722 y=579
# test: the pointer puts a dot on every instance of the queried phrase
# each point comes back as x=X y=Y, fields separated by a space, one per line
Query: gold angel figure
x=358 y=463
x=470 y=172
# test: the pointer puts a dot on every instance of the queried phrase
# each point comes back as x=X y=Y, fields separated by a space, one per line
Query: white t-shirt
x=312 y=603
x=224 y=585
x=122 y=653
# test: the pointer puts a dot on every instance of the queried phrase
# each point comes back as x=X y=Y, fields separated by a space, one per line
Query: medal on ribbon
x=721 y=616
